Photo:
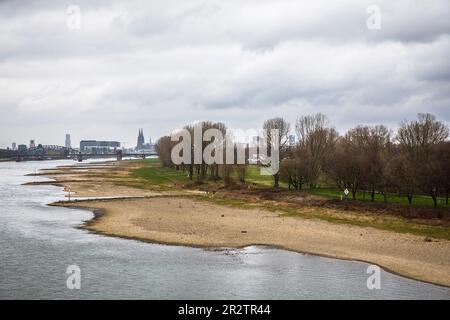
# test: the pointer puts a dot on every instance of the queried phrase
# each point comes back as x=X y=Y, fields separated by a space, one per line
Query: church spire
x=140 y=140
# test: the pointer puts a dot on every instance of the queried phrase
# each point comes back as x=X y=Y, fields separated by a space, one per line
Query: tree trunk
x=203 y=169
x=226 y=175
x=216 y=174
x=434 y=200
x=243 y=173
x=373 y=195
x=276 y=178
x=409 y=199
x=211 y=172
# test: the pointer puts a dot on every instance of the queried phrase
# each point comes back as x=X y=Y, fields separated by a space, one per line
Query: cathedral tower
x=140 y=140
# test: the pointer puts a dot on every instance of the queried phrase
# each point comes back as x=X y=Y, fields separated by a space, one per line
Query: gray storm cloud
x=159 y=65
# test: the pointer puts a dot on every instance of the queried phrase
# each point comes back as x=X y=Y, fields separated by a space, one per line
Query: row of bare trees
x=201 y=171
x=370 y=159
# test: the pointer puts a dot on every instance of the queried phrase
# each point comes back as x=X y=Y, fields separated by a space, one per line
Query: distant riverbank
x=189 y=218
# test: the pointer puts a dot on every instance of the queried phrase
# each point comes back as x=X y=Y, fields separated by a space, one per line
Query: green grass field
x=253 y=175
x=419 y=200
x=151 y=171
x=154 y=174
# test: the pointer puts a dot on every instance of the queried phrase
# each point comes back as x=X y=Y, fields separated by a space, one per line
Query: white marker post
x=346 y=192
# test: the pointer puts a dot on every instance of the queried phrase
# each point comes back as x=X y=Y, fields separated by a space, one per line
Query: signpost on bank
x=346 y=192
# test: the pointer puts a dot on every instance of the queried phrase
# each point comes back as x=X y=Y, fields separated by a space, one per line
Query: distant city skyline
x=74 y=142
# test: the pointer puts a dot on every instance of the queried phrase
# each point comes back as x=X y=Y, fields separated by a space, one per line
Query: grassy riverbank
x=150 y=175
x=151 y=171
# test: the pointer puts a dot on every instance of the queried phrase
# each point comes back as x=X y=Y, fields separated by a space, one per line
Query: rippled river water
x=38 y=243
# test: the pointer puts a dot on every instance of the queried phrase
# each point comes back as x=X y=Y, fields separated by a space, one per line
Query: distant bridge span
x=119 y=155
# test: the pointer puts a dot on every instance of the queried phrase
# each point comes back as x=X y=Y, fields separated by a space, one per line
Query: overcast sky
x=158 y=65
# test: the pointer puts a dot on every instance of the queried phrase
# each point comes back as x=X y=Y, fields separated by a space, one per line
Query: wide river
x=39 y=242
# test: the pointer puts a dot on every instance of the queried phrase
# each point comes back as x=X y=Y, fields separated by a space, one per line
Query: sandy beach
x=162 y=217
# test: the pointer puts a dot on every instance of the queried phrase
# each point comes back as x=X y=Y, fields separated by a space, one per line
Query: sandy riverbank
x=187 y=221
x=184 y=221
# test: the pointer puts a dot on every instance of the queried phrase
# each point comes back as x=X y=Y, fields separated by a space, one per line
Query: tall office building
x=13 y=146
x=32 y=144
x=68 y=141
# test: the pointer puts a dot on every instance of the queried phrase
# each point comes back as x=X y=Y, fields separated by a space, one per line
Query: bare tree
x=201 y=169
x=346 y=164
x=283 y=128
x=164 y=148
x=190 y=166
x=400 y=175
x=316 y=140
x=442 y=155
x=214 y=168
x=419 y=136
x=371 y=143
x=293 y=171
x=417 y=140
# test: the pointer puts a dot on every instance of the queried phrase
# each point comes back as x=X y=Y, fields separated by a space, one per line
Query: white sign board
x=346 y=192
